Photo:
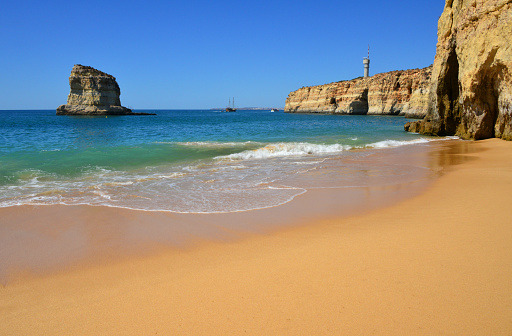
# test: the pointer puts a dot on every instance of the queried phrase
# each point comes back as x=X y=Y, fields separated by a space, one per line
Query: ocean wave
x=396 y=143
x=286 y=149
x=214 y=144
x=303 y=148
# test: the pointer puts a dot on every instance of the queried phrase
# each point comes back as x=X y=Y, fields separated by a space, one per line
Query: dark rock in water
x=93 y=92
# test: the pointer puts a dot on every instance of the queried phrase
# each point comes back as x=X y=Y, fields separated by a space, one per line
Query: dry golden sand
x=437 y=263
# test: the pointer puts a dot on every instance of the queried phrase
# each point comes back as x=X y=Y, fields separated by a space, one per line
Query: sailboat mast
x=233 y=102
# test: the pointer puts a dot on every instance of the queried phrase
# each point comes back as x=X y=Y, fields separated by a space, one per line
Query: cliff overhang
x=471 y=90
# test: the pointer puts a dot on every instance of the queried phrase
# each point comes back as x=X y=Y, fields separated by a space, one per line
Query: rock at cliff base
x=471 y=91
x=93 y=92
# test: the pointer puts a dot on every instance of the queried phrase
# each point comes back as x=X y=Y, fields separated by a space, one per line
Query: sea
x=194 y=161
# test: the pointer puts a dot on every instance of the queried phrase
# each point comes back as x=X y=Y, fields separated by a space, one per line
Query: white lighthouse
x=366 y=63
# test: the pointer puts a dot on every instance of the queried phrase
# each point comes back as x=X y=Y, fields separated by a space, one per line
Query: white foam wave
x=213 y=144
x=286 y=149
x=300 y=149
x=396 y=143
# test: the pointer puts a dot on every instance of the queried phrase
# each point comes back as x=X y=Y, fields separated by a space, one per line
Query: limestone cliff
x=397 y=92
x=93 y=92
x=471 y=92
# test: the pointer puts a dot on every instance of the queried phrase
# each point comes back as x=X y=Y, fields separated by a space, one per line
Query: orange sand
x=437 y=263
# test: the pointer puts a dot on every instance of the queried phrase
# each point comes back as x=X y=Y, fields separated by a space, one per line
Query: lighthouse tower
x=366 y=63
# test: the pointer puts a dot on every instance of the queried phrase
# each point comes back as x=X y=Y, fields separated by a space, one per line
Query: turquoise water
x=184 y=160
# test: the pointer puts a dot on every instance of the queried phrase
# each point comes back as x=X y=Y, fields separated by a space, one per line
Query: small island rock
x=93 y=92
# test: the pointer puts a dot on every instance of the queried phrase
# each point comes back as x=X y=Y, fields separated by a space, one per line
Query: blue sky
x=196 y=54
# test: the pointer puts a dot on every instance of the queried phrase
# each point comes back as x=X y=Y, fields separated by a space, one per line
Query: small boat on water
x=229 y=108
x=274 y=110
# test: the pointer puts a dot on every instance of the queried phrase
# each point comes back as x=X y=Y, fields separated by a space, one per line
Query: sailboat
x=231 y=109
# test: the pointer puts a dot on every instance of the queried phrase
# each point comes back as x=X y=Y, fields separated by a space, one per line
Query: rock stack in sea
x=403 y=92
x=93 y=92
x=471 y=92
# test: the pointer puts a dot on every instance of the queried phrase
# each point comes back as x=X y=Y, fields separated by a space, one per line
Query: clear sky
x=196 y=54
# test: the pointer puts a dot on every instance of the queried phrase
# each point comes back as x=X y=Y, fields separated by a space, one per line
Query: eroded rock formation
x=403 y=92
x=471 y=92
x=93 y=92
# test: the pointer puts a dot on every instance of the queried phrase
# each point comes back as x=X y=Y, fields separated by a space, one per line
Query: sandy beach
x=436 y=261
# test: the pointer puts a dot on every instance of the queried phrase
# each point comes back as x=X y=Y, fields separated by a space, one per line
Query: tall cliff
x=93 y=92
x=471 y=92
x=397 y=92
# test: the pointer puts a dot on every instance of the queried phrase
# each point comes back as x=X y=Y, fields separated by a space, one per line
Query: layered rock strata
x=471 y=92
x=403 y=92
x=93 y=92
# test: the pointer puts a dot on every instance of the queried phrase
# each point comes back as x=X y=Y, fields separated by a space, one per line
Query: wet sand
x=434 y=261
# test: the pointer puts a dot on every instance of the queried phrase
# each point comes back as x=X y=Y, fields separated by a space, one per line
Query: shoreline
x=66 y=236
x=438 y=261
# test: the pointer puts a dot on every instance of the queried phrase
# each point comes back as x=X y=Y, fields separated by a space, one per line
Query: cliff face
x=396 y=92
x=471 y=92
x=93 y=92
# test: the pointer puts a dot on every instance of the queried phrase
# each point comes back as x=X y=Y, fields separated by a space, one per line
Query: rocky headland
x=402 y=92
x=471 y=91
x=93 y=92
